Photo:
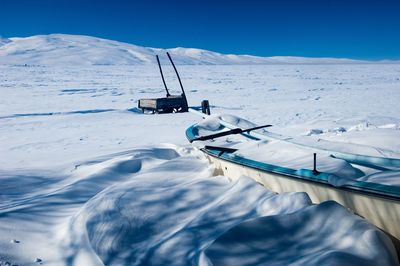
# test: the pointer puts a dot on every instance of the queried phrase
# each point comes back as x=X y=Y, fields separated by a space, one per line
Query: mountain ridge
x=64 y=49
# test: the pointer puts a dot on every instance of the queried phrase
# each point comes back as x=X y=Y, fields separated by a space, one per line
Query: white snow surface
x=64 y=49
x=290 y=239
x=86 y=179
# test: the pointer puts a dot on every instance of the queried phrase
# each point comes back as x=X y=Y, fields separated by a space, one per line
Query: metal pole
x=205 y=107
x=180 y=82
x=315 y=171
x=162 y=76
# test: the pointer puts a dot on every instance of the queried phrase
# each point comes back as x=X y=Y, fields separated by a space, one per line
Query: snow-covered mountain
x=4 y=41
x=63 y=49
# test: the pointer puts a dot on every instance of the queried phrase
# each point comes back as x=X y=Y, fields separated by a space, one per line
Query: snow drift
x=162 y=206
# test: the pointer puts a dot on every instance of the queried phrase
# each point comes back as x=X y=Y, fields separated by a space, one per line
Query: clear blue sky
x=315 y=28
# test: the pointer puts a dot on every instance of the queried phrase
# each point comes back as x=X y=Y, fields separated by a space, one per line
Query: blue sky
x=314 y=28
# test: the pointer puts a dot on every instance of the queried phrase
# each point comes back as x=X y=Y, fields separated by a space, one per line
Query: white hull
x=380 y=211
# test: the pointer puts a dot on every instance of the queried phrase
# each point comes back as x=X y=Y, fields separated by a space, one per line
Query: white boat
x=378 y=203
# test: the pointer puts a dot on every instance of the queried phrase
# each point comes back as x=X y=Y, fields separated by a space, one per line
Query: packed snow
x=86 y=179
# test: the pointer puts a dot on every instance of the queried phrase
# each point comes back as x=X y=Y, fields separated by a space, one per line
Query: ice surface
x=85 y=177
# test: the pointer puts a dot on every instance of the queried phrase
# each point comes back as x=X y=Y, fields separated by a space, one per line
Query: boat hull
x=377 y=203
x=383 y=212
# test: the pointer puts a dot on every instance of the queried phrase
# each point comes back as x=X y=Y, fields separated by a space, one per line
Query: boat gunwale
x=348 y=188
x=358 y=187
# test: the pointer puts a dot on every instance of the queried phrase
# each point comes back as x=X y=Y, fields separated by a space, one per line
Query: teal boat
x=377 y=203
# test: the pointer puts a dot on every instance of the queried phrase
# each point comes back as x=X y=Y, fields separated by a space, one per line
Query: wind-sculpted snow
x=44 y=204
x=342 y=239
x=168 y=215
x=162 y=206
x=172 y=213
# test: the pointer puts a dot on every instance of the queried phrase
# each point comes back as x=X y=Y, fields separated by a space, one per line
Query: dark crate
x=172 y=103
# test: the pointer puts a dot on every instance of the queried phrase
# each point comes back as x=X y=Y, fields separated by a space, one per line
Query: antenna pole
x=162 y=76
x=180 y=82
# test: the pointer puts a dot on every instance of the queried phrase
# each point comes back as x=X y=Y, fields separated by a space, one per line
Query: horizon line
x=360 y=60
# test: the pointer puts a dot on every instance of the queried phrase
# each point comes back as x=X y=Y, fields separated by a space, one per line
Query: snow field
x=85 y=178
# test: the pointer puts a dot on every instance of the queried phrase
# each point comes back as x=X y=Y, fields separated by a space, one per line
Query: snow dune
x=161 y=205
x=63 y=49
x=290 y=239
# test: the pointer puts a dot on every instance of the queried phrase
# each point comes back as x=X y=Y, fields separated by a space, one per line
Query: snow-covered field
x=87 y=179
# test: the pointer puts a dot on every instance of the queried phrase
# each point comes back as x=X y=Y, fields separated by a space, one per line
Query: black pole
x=162 y=76
x=205 y=107
x=180 y=82
x=226 y=133
x=315 y=171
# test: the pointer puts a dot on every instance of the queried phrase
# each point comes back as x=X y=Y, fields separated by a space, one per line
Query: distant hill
x=62 y=49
